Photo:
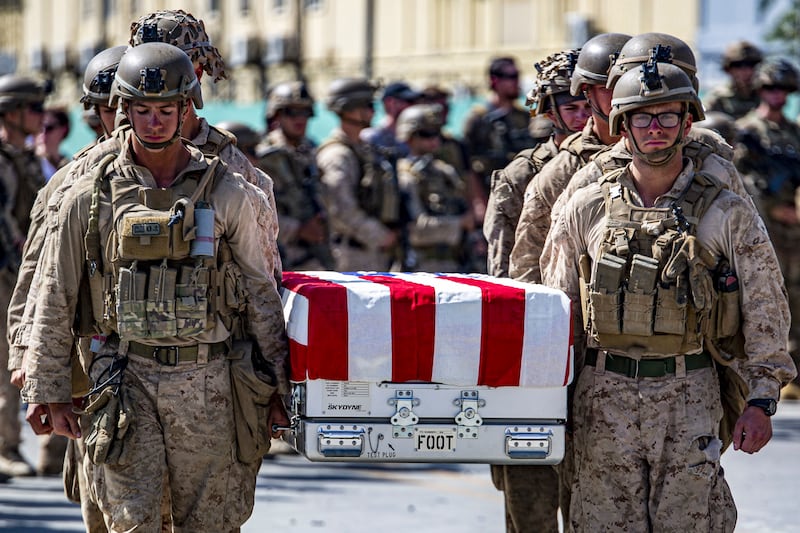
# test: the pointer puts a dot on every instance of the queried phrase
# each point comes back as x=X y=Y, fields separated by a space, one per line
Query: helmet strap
x=595 y=109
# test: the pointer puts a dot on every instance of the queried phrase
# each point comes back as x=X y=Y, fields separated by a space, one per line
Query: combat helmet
x=777 y=72
x=418 y=117
x=289 y=94
x=662 y=47
x=17 y=91
x=181 y=29
x=594 y=60
x=650 y=84
x=99 y=76
x=552 y=85
x=156 y=72
x=347 y=93
x=742 y=52
x=246 y=137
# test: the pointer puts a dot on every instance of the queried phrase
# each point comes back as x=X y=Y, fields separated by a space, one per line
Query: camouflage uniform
x=534 y=222
x=617 y=429
x=296 y=180
x=199 y=443
x=362 y=201
x=725 y=99
x=21 y=175
x=437 y=202
x=768 y=155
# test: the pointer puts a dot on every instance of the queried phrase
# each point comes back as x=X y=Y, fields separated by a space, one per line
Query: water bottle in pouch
x=203 y=243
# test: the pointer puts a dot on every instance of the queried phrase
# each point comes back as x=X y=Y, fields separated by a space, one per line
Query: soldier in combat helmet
x=21 y=114
x=288 y=156
x=738 y=96
x=768 y=156
x=359 y=186
x=639 y=252
x=169 y=373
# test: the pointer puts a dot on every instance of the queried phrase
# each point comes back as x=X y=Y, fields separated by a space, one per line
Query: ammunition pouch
x=109 y=420
x=252 y=389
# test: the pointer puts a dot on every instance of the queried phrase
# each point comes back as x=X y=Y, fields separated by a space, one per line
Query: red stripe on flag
x=503 y=327
x=326 y=354
x=413 y=308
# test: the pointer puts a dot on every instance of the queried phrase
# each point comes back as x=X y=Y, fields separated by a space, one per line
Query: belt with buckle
x=172 y=355
x=648 y=368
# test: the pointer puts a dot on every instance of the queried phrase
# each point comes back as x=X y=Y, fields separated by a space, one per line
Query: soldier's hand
x=18 y=377
x=38 y=416
x=312 y=230
x=753 y=430
x=277 y=416
x=64 y=420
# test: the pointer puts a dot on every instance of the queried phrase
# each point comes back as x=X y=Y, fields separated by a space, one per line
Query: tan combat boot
x=13 y=464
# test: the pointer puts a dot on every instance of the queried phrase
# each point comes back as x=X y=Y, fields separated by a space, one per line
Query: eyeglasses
x=507 y=75
x=427 y=134
x=297 y=112
x=36 y=107
x=668 y=119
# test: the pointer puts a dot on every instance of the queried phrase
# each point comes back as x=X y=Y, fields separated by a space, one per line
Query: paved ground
x=296 y=495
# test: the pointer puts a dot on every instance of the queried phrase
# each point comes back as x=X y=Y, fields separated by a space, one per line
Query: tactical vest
x=377 y=192
x=538 y=156
x=29 y=180
x=152 y=286
x=217 y=141
x=439 y=193
x=574 y=144
x=640 y=300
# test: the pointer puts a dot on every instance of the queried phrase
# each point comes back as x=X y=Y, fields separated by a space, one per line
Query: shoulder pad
x=611 y=176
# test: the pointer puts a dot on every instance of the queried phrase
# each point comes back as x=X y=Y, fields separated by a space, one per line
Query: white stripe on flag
x=457 y=341
x=295 y=312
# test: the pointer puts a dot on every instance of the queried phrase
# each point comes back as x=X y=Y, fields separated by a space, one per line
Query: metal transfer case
x=392 y=367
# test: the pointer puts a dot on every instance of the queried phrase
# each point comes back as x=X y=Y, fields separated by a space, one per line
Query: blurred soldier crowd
x=406 y=195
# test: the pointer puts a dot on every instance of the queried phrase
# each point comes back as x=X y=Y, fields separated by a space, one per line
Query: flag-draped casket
x=427 y=367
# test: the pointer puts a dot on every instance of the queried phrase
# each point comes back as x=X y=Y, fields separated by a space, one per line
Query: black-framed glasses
x=668 y=119
x=297 y=112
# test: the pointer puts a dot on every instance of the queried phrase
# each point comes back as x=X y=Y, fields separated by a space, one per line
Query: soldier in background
x=396 y=97
x=287 y=155
x=21 y=114
x=451 y=150
x=439 y=216
x=55 y=128
x=359 y=186
x=247 y=139
x=531 y=493
x=738 y=96
x=768 y=156
x=551 y=100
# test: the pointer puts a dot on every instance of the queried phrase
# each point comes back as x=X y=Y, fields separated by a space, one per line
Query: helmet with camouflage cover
x=776 y=72
x=99 y=76
x=552 y=78
x=17 y=91
x=181 y=29
x=347 y=93
x=594 y=60
x=664 y=48
x=418 y=117
x=741 y=52
x=156 y=72
x=650 y=84
x=289 y=94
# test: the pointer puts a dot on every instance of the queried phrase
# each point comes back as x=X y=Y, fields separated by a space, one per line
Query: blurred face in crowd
x=741 y=72
x=107 y=116
x=773 y=96
x=360 y=114
x=425 y=142
x=394 y=106
x=506 y=82
x=293 y=121
x=28 y=118
x=600 y=96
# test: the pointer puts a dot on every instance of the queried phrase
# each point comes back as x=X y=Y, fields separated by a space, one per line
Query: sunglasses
x=668 y=119
x=36 y=107
x=427 y=134
x=742 y=64
x=297 y=112
x=507 y=75
x=49 y=127
x=775 y=88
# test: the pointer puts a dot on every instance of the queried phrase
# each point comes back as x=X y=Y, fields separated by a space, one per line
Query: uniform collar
x=679 y=185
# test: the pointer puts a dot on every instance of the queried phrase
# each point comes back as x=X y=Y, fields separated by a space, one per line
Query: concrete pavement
x=296 y=495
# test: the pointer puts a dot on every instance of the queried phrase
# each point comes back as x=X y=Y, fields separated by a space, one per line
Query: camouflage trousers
x=9 y=394
x=181 y=441
x=789 y=258
x=647 y=453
